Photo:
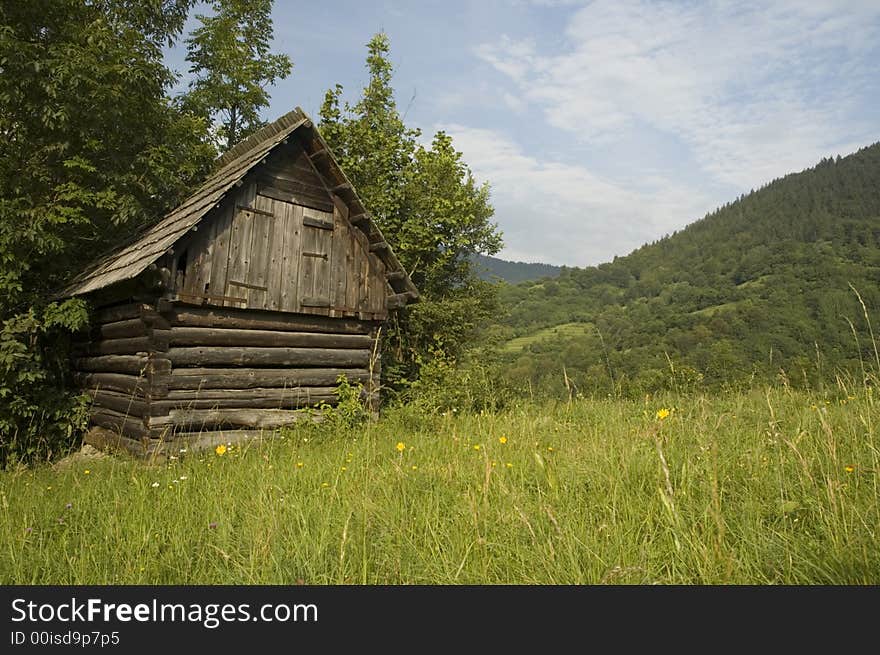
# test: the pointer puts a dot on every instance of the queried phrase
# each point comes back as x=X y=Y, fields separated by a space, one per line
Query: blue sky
x=601 y=126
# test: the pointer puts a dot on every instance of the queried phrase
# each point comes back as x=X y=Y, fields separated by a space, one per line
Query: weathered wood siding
x=191 y=370
x=282 y=243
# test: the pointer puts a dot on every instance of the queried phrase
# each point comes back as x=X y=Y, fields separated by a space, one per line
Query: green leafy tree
x=233 y=67
x=92 y=150
x=430 y=208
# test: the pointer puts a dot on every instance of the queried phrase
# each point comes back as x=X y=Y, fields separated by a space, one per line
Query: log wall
x=199 y=372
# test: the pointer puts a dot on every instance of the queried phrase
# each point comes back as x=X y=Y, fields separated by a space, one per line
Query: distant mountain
x=492 y=269
x=759 y=290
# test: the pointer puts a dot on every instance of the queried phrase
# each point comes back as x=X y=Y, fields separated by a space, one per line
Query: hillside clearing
x=556 y=332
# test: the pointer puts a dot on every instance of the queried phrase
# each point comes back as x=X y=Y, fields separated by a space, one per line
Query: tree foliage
x=430 y=208
x=92 y=150
x=233 y=67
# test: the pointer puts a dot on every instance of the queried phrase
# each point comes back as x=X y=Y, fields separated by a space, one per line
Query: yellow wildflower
x=87 y=471
x=502 y=439
x=849 y=469
x=400 y=446
x=509 y=465
x=299 y=465
x=662 y=413
x=476 y=446
x=221 y=449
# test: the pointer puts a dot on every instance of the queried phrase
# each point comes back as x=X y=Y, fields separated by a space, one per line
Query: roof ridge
x=258 y=137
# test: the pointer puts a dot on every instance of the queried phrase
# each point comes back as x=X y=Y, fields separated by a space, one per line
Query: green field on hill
x=557 y=331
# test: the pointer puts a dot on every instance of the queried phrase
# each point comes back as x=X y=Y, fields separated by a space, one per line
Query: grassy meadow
x=767 y=487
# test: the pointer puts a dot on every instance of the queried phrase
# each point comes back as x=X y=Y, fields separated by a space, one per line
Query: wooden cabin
x=243 y=305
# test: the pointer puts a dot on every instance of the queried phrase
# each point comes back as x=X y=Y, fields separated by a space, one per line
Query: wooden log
x=401 y=299
x=278 y=393
x=395 y=276
x=132 y=327
x=264 y=320
x=130 y=384
x=268 y=357
x=154 y=318
x=159 y=374
x=164 y=407
x=211 y=297
x=379 y=246
x=130 y=346
x=119 y=313
x=131 y=364
x=160 y=341
x=177 y=443
x=207 y=418
x=253 y=378
x=197 y=336
x=159 y=366
x=109 y=440
x=359 y=219
x=193 y=442
x=119 y=422
x=126 y=404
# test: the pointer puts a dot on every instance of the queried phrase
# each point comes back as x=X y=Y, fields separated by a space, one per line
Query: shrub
x=39 y=415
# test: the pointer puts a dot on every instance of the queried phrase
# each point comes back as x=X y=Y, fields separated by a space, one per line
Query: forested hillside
x=760 y=289
x=494 y=269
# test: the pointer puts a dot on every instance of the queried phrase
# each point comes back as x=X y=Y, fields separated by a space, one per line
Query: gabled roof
x=130 y=260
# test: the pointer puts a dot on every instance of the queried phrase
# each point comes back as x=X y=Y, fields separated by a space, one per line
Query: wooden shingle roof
x=130 y=260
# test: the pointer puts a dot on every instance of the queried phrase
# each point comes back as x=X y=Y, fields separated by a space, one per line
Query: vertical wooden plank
x=339 y=263
x=258 y=270
x=172 y=267
x=291 y=261
x=308 y=265
x=347 y=300
x=363 y=272
x=352 y=274
x=276 y=253
x=240 y=248
x=322 y=274
x=208 y=227
x=193 y=251
x=377 y=284
x=216 y=283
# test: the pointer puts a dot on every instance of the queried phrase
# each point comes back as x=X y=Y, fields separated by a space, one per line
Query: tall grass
x=766 y=487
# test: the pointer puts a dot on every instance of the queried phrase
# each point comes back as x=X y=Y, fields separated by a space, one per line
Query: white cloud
x=565 y=214
x=754 y=91
x=514 y=103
